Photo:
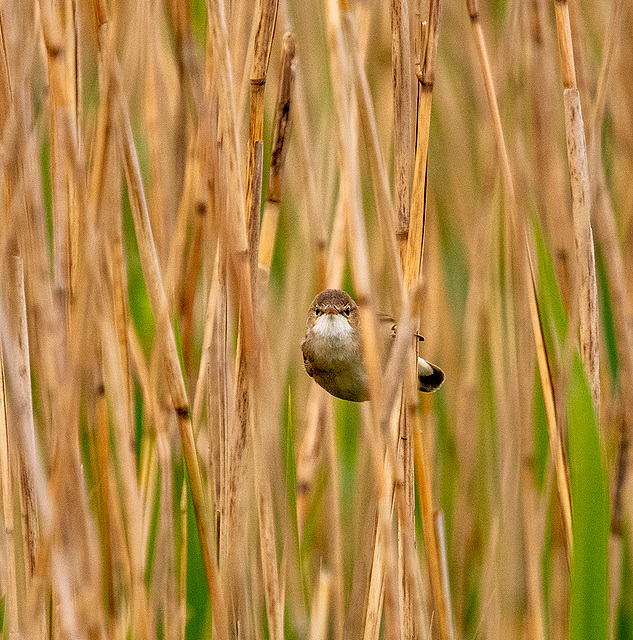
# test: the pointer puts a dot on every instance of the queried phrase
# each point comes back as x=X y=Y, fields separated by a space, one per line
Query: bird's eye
x=317 y=311
x=347 y=311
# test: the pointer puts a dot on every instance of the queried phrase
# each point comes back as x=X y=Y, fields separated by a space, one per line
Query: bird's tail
x=430 y=377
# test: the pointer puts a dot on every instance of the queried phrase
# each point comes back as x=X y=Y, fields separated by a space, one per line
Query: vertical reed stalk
x=411 y=436
x=581 y=206
x=259 y=70
x=401 y=69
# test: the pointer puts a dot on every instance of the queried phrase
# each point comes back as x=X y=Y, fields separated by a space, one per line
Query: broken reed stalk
x=401 y=70
x=560 y=463
x=261 y=56
x=581 y=207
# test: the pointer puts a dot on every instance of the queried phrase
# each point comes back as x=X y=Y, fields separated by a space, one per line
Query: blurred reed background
x=180 y=179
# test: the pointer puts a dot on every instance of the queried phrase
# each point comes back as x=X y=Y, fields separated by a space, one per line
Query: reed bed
x=180 y=179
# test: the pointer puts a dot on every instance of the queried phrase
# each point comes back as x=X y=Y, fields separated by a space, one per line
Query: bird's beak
x=330 y=308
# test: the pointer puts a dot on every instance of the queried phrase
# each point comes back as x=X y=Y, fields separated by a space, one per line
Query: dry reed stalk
x=67 y=12
x=440 y=535
x=24 y=402
x=310 y=451
x=10 y=583
x=227 y=498
x=164 y=334
x=282 y=121
x=401 y=69
x=25 y=480
x=581 y=206
x=411 y=444
x=425 y=69
x=259 y=70
x=431 y=545
x=320 y=605
x=375 y=594
x=221 y=378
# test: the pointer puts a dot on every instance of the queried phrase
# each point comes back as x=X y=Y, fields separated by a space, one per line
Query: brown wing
x=307 y=360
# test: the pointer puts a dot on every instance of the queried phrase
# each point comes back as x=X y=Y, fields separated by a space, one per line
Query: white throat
x=332 y=327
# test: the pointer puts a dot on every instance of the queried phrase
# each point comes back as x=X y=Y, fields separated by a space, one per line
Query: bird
x=333 y=351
